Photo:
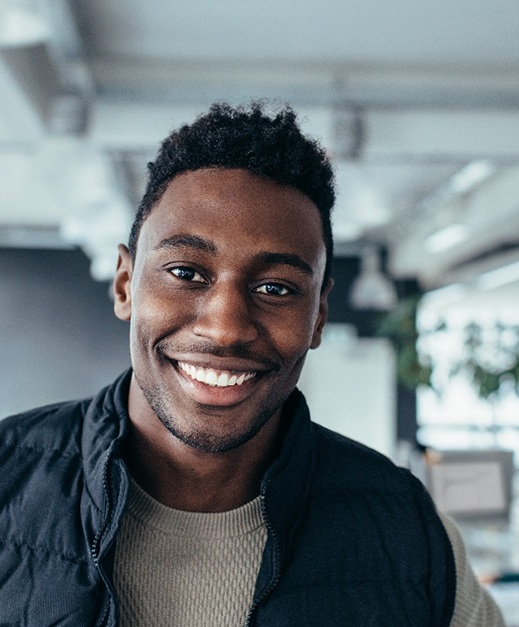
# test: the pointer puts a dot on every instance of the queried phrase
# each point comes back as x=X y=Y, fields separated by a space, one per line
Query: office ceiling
x=417 y=102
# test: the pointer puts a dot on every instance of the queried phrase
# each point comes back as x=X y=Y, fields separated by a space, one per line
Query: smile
x=215 y=378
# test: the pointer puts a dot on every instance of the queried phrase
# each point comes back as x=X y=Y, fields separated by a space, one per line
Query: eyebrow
x=265 y=258
x=186 y=241
x=287 y=259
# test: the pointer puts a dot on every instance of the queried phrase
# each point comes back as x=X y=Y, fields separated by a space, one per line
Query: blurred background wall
x=59 y=337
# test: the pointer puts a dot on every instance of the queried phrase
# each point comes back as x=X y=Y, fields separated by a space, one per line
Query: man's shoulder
x=342 y=448
x=41 y=488
x=366 y=481
x=349 y=463
x=56 y=425
x=43 y=429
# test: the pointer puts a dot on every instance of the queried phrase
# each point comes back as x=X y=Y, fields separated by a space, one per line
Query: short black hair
x=247 y=138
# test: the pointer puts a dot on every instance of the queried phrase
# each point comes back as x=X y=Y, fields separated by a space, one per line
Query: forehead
x=233 y=207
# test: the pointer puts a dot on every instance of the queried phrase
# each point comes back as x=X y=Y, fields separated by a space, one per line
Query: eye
x=273 y=289
x=185 y=273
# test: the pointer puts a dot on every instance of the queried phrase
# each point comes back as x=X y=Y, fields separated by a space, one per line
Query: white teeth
x=215 y=378
x=223 y=380
x=211 y=378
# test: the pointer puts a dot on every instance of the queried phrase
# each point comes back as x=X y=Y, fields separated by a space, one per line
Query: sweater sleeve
x=474 y=607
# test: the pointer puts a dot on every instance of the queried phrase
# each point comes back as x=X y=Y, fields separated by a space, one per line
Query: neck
x=179 y=476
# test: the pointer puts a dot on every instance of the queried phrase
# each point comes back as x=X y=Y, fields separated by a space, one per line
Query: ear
x=122 y=284
x=322 y=316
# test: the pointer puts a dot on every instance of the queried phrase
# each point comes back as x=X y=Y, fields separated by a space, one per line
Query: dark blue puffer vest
x=352 y=539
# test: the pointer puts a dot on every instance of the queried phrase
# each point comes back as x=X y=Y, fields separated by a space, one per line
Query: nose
x=225 y=316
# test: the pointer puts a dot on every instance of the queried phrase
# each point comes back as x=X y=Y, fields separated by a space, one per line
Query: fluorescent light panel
x=446 y=238
x=471 y=175
x=23 y=23
x=499 y=276
x=444 y=295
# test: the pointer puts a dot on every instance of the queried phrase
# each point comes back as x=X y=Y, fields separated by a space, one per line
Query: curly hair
x=248 y=138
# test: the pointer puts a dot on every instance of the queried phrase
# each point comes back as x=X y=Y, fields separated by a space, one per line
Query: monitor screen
x=471 y=484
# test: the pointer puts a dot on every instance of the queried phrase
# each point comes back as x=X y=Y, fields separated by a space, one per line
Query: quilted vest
x=352 y=539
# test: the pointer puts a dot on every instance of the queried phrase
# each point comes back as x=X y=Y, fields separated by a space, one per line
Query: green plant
x=399 y=326
x=488 y=354
x=491 y=357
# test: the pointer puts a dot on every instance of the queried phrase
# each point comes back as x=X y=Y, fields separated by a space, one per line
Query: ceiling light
x=23 y=23
x=372 y=289
x=471 y=175
x=443 y=296
x=446 y=238
x=499 y=276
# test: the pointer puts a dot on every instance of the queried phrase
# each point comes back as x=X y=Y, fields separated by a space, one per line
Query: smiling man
x=224 y=299
x=195 y=490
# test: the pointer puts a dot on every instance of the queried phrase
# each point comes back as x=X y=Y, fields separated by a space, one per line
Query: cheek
x=293 y=340
x=152 y=319
x=139 y=340
x=158 y=302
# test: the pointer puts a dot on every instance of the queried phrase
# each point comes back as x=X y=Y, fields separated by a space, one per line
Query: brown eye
x=273 y=289
x=185 y=273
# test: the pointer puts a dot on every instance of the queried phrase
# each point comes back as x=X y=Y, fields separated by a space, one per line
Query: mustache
x=237 y=351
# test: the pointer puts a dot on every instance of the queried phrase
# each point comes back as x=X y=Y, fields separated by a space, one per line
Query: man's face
x=224 y=300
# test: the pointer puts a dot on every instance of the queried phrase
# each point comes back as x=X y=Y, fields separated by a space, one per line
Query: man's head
x=226 y=290
x=249 y=139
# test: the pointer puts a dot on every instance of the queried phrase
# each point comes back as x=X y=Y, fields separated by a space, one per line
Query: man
x=195 y=490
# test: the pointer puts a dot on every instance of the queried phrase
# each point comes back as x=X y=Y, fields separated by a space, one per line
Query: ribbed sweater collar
x=240 y=521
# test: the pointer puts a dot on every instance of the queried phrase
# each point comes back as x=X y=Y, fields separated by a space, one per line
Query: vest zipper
x=277 y=563
x=104 y=615
x=97 y=540
x=104 y=524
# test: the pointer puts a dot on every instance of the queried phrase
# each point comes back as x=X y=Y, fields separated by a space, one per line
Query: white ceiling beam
x=122 y=125
x=442 y=134
x=389 y=135
x=312 y=83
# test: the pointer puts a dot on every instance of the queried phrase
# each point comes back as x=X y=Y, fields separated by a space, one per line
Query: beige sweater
x=188 y=569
